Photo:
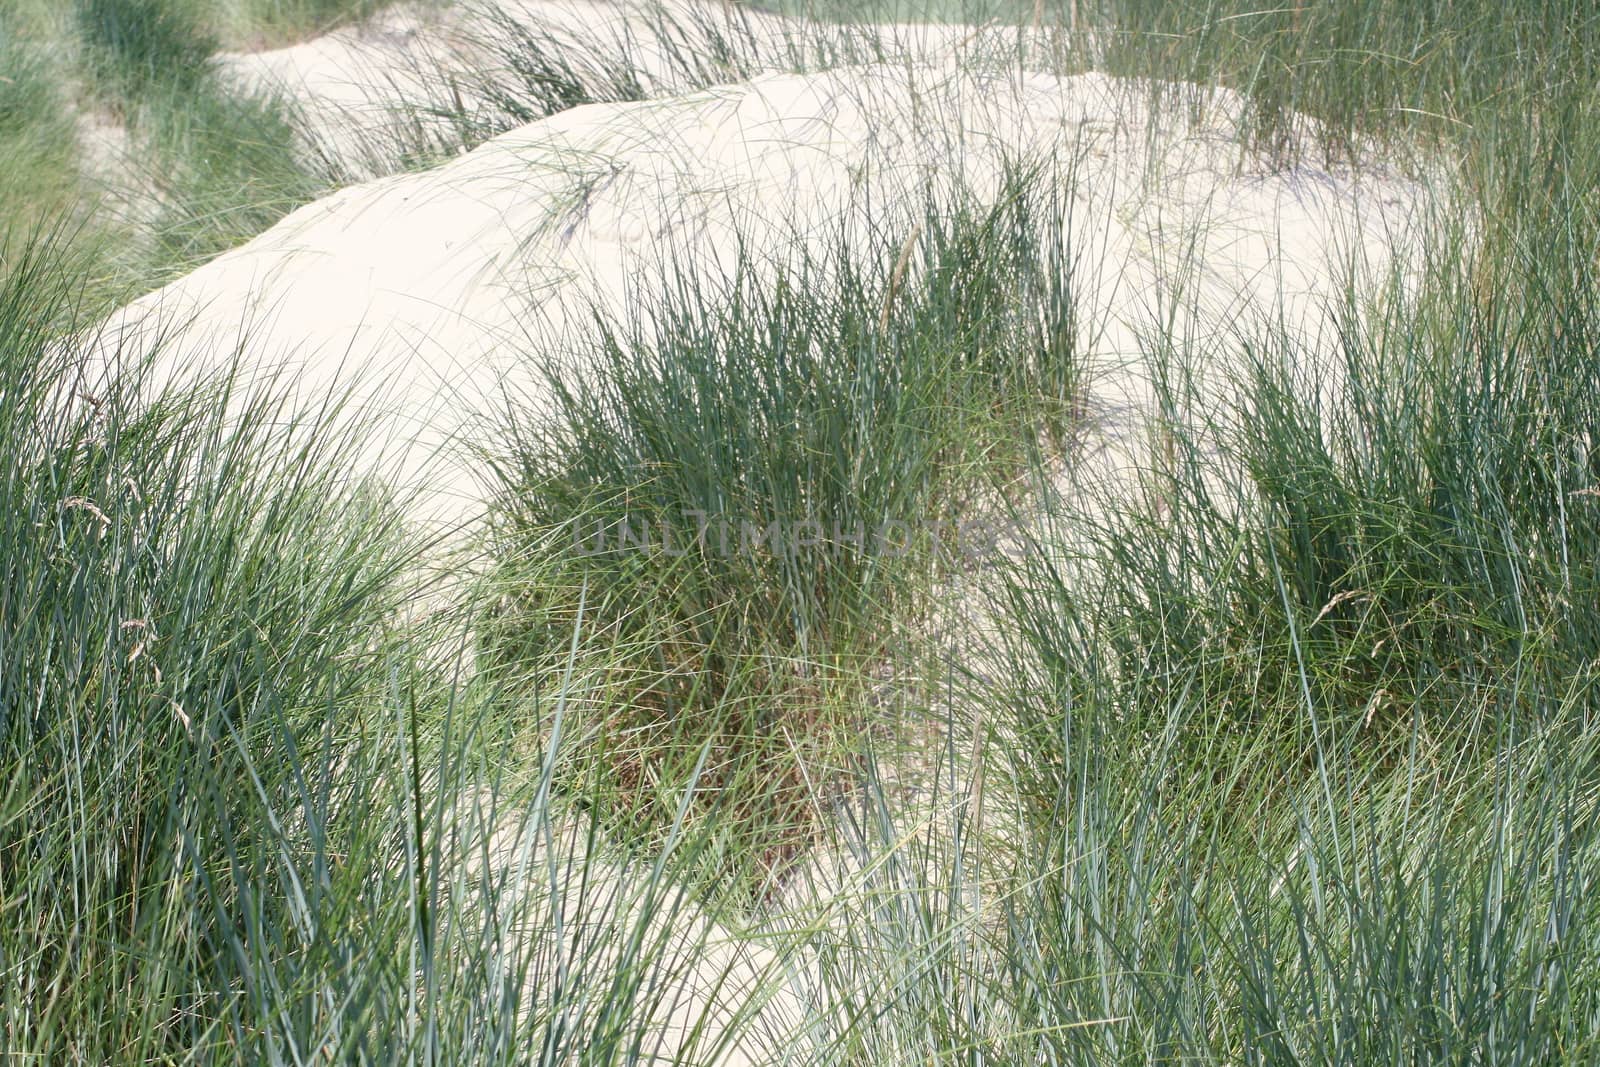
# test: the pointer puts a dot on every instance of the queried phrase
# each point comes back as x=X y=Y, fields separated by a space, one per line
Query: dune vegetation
x=1293 y=756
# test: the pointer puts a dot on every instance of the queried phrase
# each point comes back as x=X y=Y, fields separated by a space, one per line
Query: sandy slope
x=415 y=72
x=424 y=292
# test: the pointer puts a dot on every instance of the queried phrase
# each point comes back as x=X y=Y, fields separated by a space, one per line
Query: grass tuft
x=224 y=167
x=133 y=47
x=757 y=475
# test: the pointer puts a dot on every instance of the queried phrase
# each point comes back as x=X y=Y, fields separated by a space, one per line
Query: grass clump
x=39 y=178
x=539 y=71
x=224 y=167
x=1371 y=72
x=243 y=819
x=1373 y=563
x=30 y=102
x=178 y=615
x=758 y=474
x=1304 y=749
x=218 y=165
x=133 y=47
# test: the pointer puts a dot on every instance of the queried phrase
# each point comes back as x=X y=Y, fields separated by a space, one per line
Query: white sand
x=412 y=72
x=424 y=292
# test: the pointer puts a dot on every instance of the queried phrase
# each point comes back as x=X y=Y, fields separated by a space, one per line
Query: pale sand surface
x=425 y=292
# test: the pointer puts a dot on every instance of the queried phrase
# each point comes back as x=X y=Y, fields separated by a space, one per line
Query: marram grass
x=1307 y=775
